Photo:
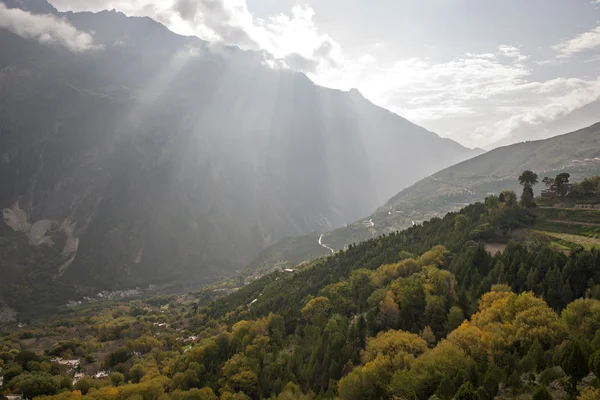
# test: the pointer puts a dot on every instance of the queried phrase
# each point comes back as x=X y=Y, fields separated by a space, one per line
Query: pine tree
x=574 y=363
x=466 y=392
x=536 y=353
x=446 y=389
x=541 y=393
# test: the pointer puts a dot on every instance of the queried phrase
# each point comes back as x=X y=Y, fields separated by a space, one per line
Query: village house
x=70 y=364
x=190 y=339
x=78 y=376
x=552 y=191
x=101 y=375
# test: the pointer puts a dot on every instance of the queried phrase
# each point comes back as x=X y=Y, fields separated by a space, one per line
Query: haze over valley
x=296 y=200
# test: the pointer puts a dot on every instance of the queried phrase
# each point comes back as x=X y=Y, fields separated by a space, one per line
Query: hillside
x=419 y=313
x=157 y=159
x=577 y=153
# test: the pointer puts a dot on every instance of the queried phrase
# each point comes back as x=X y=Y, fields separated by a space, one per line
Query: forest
x=426 y=313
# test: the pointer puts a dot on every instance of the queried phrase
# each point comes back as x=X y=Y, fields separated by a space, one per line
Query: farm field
x=584 y=241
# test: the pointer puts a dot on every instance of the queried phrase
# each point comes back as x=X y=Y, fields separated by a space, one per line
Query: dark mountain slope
x=160 y=159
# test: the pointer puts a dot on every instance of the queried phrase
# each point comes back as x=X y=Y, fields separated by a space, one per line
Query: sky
x=481 y=72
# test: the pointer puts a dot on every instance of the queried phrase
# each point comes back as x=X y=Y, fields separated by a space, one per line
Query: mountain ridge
x=450 y=189
x=160 y=160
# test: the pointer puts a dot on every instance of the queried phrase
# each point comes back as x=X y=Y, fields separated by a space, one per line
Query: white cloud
x=582 y=42
x=474 y=98
x=541 y=104
x=44 y=29
x=512 y=52
x=293 y=38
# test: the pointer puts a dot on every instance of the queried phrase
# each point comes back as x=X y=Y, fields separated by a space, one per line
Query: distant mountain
x=160 y=159
x=577 y=153
x=575 y=120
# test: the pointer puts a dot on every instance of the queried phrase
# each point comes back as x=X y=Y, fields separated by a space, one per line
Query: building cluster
x=105 y=295
x=552 y=191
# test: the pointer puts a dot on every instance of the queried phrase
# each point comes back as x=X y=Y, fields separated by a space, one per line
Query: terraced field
x=585 y=241
x=570 y=227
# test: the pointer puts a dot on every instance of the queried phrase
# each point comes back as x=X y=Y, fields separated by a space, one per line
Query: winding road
x=324 y=245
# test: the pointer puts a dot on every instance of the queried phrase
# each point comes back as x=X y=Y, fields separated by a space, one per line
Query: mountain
x=424 y=313
x=572 y=121
x=577 y=153
x=154 y=158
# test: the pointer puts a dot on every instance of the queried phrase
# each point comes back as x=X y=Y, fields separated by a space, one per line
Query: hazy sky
x=477 y=71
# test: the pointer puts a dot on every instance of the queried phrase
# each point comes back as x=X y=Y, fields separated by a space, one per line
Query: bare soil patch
x=494 y=248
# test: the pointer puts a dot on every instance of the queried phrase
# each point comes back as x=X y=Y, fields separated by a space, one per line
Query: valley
x=176 y=163
x=451 y=189
x=222 y=200
x=366 y=322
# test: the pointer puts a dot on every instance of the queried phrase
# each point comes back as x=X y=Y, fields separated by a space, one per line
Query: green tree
x=317 y=310
x=455 y=318
x=26 y=356
x=527 y=198
x=361 y=284
x=574 y=363
x=541 y=393
x=561 y=182
x=528 y=179
x=548 y=181
x=12 y=372
x=119 y=356
x=514 y=381
x=536 y=353
x=445 y=389
x=36 y=384
x=117 y=378
x=466 y=392
x=492 y=379
x=595 y=363
x=136 y=373
x=83 y=385
x=482 y=394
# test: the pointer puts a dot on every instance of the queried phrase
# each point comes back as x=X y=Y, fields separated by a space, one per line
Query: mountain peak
x=34 y=6
x=356 y=92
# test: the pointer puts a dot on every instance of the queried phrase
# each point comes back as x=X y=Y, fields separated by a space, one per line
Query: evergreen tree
x=594 y=363
x=574 y=363
x=466 y=392
x=536 y=353
x=541 y=393
x=446 y=389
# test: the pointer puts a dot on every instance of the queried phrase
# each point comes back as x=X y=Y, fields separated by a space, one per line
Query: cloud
x=45 y=29
x=541 y=104
x=230 y=21
x=582 y=42
x=292 y=38
x=476 y=98
x=511 y=52
x=301 y=63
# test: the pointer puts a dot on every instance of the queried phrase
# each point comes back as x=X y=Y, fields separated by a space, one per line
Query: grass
x=569 y=228
x=559 y=245
x=569 y=214
x=584 y=241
